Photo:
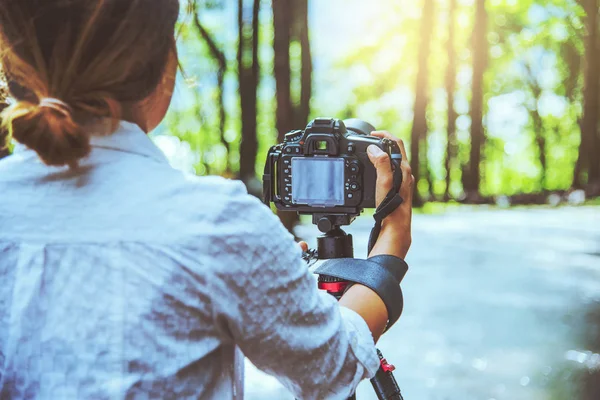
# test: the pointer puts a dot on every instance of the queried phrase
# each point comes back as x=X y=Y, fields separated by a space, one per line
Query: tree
x=419 y=127
x=290 y=22
x=281 y=69
x=248 y=73
x=594 y=148
x=219 y=56
x=450 y=88
x=537 y=121
x=301 y=34
x=3 y=136
x=472 y=179
x=587 y=160
x=281 y=46
x=3 y=104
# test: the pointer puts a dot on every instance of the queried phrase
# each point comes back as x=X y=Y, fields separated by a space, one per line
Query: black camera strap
x=382 y=274
x=391 y=201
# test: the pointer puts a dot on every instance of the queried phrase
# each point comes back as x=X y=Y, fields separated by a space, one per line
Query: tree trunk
x=540 y=140
x=3 y=104
x=589 y=121
x=427 y=172
x=480 y=50
x=594 y=99
x=219 y=57
x=248 y=81
x=593 y=187
x=282 y=22
x=573 y=62
x=3 y=143
x=450 y=88
x=537 y=124
x=3 y=134
x=419 y=127
x=281 y=46
x=302 y=112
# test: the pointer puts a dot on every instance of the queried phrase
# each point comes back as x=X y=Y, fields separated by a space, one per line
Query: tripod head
x=334 y=243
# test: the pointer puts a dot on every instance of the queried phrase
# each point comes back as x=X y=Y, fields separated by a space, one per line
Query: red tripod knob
x=386 y=367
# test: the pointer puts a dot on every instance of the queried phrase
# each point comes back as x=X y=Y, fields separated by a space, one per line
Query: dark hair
x=79 y=57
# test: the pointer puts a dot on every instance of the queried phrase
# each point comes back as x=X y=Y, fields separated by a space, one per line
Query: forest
x=498 y=103
x=497 y=100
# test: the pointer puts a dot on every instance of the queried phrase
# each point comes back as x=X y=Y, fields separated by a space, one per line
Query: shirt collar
x=128 y=138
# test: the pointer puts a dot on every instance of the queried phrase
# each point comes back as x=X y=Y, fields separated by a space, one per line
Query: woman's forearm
x=369 y=306
x=365 y=301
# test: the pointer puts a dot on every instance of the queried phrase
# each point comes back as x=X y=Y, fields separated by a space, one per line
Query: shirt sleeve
x=270 y=306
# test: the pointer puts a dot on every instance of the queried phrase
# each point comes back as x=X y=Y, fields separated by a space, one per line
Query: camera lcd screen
x=318 y=181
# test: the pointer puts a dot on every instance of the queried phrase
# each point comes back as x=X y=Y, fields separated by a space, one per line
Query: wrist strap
x=391 y=201
x=382 y=274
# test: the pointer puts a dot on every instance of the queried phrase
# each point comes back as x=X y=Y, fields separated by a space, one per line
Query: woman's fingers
x=407 y=178
x=387 y=135
x=303 y=246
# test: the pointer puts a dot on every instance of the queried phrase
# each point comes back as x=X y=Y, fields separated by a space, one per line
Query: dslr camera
x=324 y=169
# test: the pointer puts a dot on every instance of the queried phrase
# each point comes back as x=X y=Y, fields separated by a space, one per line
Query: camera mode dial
x=293 y=136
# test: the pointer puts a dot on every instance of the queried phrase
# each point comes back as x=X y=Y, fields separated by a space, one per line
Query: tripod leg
x=384 y=383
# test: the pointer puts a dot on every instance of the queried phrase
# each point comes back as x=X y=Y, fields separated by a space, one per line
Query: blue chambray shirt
x=127 y=279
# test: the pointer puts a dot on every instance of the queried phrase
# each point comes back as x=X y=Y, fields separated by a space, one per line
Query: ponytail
x=49 y=129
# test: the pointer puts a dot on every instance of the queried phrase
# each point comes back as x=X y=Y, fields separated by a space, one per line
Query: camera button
x=350 y=195
x=354 y=186
x=354 y=168
x=351 y=148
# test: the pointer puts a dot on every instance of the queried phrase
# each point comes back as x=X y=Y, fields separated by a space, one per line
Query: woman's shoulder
x=224 y=193
x=215 y=185
x=227 y=208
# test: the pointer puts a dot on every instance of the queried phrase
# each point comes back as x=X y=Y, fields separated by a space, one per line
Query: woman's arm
x=394 y=239
x=285 y=325
x=268 y=303
x=265 y=300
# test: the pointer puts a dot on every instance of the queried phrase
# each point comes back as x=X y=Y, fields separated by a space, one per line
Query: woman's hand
x=395 y=237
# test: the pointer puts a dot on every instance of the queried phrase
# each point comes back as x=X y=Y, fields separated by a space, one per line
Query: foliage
x=533 y=86
x=534 y=66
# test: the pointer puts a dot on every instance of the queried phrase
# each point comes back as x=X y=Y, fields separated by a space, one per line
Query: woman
x=123 y=278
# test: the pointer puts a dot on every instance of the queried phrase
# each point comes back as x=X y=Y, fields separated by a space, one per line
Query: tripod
x=335 y=243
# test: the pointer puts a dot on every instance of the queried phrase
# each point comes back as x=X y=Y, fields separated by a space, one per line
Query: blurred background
x=498 y=103
x=497 y=100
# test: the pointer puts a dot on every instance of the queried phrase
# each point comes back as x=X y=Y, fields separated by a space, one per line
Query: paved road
x=500 y=305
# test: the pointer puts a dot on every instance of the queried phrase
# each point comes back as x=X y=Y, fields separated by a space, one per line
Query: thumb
x=381 y=161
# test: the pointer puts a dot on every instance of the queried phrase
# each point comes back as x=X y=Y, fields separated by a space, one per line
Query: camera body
x=324 y=169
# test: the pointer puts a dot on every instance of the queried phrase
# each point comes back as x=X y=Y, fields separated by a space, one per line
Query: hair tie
x=57 y=105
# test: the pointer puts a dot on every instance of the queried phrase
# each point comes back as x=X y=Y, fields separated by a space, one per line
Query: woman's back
x=124 y=278
x=110 y=295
